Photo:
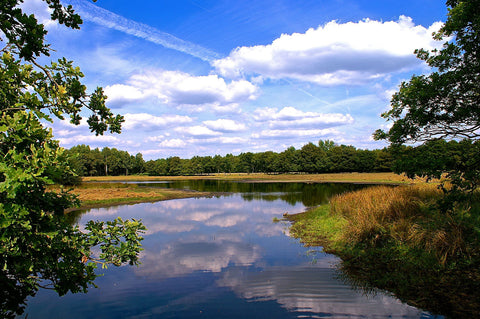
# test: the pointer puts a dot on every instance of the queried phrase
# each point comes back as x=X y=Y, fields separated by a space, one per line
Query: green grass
x=317 y=227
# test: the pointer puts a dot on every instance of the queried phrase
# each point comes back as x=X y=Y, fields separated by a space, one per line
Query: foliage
x=458 y=162
x=445 y=103
x=108 y=161
x=39 y=247
x=327 y=157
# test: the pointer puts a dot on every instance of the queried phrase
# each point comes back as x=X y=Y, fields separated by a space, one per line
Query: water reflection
x=313 y=290
x=220 y=258
x=185 y=257
x=309 y=194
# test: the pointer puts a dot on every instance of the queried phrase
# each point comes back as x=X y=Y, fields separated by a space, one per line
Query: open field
x=374 y=178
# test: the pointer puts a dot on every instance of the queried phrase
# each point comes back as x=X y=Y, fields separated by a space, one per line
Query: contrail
x=305 y=92
x=92 y=13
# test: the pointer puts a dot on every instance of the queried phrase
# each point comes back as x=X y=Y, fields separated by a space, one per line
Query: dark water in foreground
x=222 y=257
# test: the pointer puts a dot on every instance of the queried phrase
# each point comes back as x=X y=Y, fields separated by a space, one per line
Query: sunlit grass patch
x=317 y=227
x=111 y=194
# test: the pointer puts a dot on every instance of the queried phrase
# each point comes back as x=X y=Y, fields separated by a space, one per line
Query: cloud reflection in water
x=235 y=244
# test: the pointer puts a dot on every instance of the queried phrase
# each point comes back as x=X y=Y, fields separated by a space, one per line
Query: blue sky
x=211 y=77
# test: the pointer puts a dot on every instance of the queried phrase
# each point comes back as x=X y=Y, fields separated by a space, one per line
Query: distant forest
x=324 y=157
x=432 y=157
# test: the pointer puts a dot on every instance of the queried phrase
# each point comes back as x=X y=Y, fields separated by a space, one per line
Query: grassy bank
x=374 y=178
x=106 y=194
x=397 y=239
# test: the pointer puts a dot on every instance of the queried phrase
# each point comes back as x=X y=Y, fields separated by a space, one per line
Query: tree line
x=324 y=157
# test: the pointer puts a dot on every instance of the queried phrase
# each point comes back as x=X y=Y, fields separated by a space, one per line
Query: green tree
x=289 y=160
x=174 y=166
x=246 y=163
x=310 y=157
x=38 y=245
x=383 y=160
x=138 y=164
x=446 y=103
x=229 y=163
x=343 y=158
x=82 y=160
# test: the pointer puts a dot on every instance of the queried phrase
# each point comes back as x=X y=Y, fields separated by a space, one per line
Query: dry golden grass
x=103 y=194
x=404 y=214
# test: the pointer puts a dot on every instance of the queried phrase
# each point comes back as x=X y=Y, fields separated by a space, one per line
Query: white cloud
x=349 y=53
x=295 y=133
x=290 y=117
x=231 y=140
x=173 y=143
x=224 y=125
x=197 y=130
x=179 y=88
x=294 y=287
x=238 y=140
x=123 y=93
x=144 y=120
x=41 y=11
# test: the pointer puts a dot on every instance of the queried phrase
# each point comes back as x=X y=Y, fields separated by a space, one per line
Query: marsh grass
x=398 y=239
x=402 y=221
x=403 y=216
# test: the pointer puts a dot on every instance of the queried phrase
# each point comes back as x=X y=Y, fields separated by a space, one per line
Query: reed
x=403 y=216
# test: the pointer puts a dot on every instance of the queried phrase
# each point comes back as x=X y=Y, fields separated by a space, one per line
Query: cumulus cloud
x=144 y=120
x=290 y=117
x=289 y=133
x=335 y=53
x=123 y=93
x=198 y=131
x=230 y=140
x=179 y=88
x=224 y=125
x=173 y=143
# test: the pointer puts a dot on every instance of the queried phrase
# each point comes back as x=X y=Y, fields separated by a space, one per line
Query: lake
x=223 y=257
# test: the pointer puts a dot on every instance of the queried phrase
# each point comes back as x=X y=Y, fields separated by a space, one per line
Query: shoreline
x=365 y=178
x=98 y=195
x=399 y=241
x=106 y=191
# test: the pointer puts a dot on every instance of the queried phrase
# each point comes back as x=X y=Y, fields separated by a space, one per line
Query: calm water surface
x=223 y=257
